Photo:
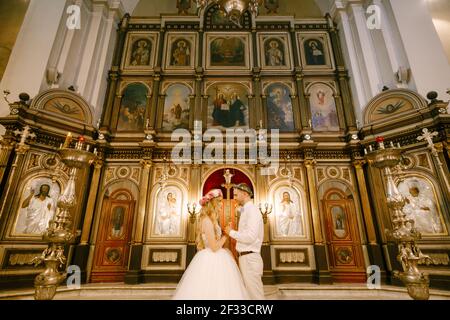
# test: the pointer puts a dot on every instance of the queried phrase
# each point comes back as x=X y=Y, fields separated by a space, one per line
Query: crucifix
x=25 y=134
x=428 y=137
x=228 y=185
x=227 y=217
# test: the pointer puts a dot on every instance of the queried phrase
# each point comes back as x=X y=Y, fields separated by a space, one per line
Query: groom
x=249 y=240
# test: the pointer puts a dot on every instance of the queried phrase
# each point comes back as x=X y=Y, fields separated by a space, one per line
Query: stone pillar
x=26 y=69
x=414 y=23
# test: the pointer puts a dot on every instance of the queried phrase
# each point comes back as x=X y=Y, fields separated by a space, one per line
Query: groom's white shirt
x=250 y=232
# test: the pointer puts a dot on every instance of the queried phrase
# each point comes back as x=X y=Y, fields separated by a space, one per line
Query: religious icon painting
x=181 y=52
x=132 y=108
x=339 y=221
x=228 y=106
x=279 y=108
x=37 y=206
x=140 y=55
x=275 y=51
x=315 y=51
x=228 y=52
x=176 y=107
x=422 y=205
x=168 y=212
x=288 y=213
x=323 y=108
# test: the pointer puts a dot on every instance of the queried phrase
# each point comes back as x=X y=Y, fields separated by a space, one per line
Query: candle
x=370 y=148
x=365 y=151
x=392 y=144
x=380 y=141
x=95 y=151
x=61 y=146
x=68 y=140
x=398 y=145
x=88 y=147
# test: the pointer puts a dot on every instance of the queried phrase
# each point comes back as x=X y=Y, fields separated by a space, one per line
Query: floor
x=294 y=291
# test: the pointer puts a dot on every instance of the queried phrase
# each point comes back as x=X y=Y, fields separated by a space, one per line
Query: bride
x=213 y=273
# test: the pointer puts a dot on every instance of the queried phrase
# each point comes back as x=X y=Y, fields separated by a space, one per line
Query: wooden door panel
x=346 y=259
x=112 y=247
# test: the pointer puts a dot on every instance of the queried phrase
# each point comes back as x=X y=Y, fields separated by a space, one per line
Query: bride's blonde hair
x=209 y=210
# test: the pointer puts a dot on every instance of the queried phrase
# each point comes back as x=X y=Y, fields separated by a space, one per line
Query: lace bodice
x=219 y=234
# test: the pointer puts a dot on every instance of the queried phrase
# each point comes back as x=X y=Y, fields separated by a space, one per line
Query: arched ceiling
x=154 y=8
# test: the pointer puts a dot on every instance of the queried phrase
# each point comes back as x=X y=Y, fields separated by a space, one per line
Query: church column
x=305 y=111
x=322 y=274
x=6 y=148
x=133 y=274
x=344 y=102
x=259 y=111
x=194 y=194
x=12 y=183
x=358 y=79
x=260 y=196
x=366 y=49
x=81 y=253
x=113 y=78
x=154 y=100
x=429 y=72
x=26 y=69
x=373 y=248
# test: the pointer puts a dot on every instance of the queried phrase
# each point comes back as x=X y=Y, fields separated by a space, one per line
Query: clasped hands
x=227 y=229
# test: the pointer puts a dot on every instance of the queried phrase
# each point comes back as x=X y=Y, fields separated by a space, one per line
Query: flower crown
x=214 y=193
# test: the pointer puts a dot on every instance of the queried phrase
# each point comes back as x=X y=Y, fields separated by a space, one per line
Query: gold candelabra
x=59 y=232
x=265 y=210
x=403 y=229
x=193 y=210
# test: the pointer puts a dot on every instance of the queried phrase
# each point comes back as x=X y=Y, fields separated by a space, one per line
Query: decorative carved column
x=305 y=111
x=365 y=201
x=6 y=148
x=194 y=196
x=81 y=253
x=12 y=183
x=310 y=165
x=345 y=101
x=90 y=207
x=154 y=100
x=261 y=192
x=374 y=249
x=322 y=273
x=114 y=74
x=134 y=269
x=143 y=191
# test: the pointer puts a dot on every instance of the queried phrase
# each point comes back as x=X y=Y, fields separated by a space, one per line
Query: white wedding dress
x=211 y=276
